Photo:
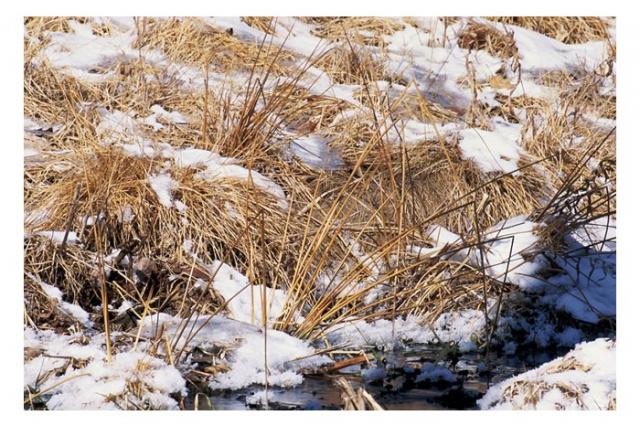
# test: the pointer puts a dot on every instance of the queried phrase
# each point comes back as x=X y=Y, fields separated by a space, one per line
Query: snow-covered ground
x=583 y=379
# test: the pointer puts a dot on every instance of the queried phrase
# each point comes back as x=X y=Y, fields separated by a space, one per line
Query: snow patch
x=314 y=151
x=286 y=355
x=493 y=151
x=585 y=378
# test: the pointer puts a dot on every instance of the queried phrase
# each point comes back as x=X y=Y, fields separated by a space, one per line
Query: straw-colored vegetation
x=381 y=200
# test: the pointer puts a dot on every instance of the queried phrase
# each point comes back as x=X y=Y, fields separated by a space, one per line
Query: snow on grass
x=437 y=70
x=441 y=237
x=118 y=126
x=144 y=380
x=538 y=52
x=244 y=300
x=33 y=125
x=585 y=378
x=286 y=355
x=427 y=55
x=57 y=237
x=461 y=327
x=493 y=151
x=319 y=83
x=506 y=246
x=160 y=113
x=296 y=36
x=71 y=309
x=69 y=52
x=56 y=347
x=213 y=166
x=598 y=235
x=586 y=290
x=314 y=151
x=163 y=184
x=131 y=377
x=122 y=129
x=584 y=280
x=509 y=251
x=586 y=287
x=413 y=131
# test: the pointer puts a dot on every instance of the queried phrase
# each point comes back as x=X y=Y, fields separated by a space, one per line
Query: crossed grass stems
x=377 y=203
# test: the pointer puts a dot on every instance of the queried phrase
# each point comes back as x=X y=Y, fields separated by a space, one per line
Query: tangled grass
x=351 y=228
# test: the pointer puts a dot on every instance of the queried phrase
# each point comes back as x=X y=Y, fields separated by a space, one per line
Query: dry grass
x=265 y=24
x=351 y=65
x=367 y=30
x=193 y=41
x=349 y=227
x=477 y=36
x=572 y=30
x=358 y=399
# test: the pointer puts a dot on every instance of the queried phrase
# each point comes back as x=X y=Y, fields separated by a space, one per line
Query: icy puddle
x=414 y=380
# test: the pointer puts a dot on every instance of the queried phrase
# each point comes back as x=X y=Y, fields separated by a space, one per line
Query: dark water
x=394 y=386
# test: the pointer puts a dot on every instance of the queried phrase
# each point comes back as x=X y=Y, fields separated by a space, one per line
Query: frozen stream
x=395 y=387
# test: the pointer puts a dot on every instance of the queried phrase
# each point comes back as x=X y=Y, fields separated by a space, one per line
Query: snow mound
x=493 y=151
x=583 y=379
x=285 y=354
x=244 y=300
x=132 y=379
x=586 y=287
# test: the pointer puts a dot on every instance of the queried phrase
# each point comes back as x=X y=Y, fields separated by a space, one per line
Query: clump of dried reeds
x=567 y=29
x=479 y=36
x=193 y=41
x=358 y=399
x=370 y=29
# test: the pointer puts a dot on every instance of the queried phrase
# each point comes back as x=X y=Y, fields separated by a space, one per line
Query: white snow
x=509 y=251
x=413 y=131
x=117 y=126
x=285 y=354
x=244 y=300
x=429 y=60
x=590 y=385
x=586 y=288
x=216 y=167
x=122 y=129
x=505 y=246
x=163 y=184
x=70 y=309
x=69 y=52
x=94 y=385
x=461 y=328
x=58 y=236
x=314 y=151
x=541 y=53
x=493 y=151
x=160 y=113
x=437 y=70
